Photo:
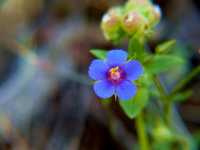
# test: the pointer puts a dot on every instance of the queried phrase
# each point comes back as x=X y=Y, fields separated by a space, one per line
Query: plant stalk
x=143 y=138
x=167 y=104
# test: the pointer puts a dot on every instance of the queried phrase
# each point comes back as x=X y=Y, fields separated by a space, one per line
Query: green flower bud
x=135 y=16
x=111 y=24
x=153 y=14
x=132 y=22
x=141 y=2
x=133 y=5
x=110 y=21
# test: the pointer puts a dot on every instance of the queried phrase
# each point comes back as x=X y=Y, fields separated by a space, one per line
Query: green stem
x=160 y=88
x=168 y=111
x=184 y=142
x=140 y=126
x=167 y=103
x=186 y=80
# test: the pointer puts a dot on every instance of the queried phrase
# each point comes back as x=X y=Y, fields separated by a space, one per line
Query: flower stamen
x=115 y=74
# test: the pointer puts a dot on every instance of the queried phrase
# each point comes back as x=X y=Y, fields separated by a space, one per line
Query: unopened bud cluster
x=135 y=16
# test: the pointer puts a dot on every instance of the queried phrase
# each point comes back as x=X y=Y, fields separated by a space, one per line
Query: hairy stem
x=168 y=111
x=166 y=102
x=140 y=126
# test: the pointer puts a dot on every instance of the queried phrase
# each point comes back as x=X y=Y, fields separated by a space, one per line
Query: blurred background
x=46 y=98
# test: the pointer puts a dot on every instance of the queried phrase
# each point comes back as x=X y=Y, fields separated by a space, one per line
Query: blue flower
x=114 y=75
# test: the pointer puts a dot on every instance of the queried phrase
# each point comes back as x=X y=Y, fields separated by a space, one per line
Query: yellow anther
x=115 y=73
x=114 y=70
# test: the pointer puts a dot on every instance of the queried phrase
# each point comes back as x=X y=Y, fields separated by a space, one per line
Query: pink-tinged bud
x=132 y=22
x=111 y=20
x=111 y=24
x=154 y=14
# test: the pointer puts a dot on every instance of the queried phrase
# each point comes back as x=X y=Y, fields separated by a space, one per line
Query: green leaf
x=166 y=46
x=134 y=106
x=161 y=63
x=98 y=53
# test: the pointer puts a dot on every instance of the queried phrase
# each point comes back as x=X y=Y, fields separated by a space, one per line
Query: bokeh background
x=46 y=99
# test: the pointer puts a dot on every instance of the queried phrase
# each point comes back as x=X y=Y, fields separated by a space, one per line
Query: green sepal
x=99 y=53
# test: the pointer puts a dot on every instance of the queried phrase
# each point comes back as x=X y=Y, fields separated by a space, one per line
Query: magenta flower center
x=115 y=75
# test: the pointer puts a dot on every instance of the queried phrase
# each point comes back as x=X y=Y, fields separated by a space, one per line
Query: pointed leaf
x=182 y=96
x=98 y=53
x=166 y=46
x=162 y=63
x=134 y=106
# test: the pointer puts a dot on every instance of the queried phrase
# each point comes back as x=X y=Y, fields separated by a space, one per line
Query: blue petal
x=126 y=90
x=103 y=89
x=133 y=70
x=116 y=57
x=97 y=69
